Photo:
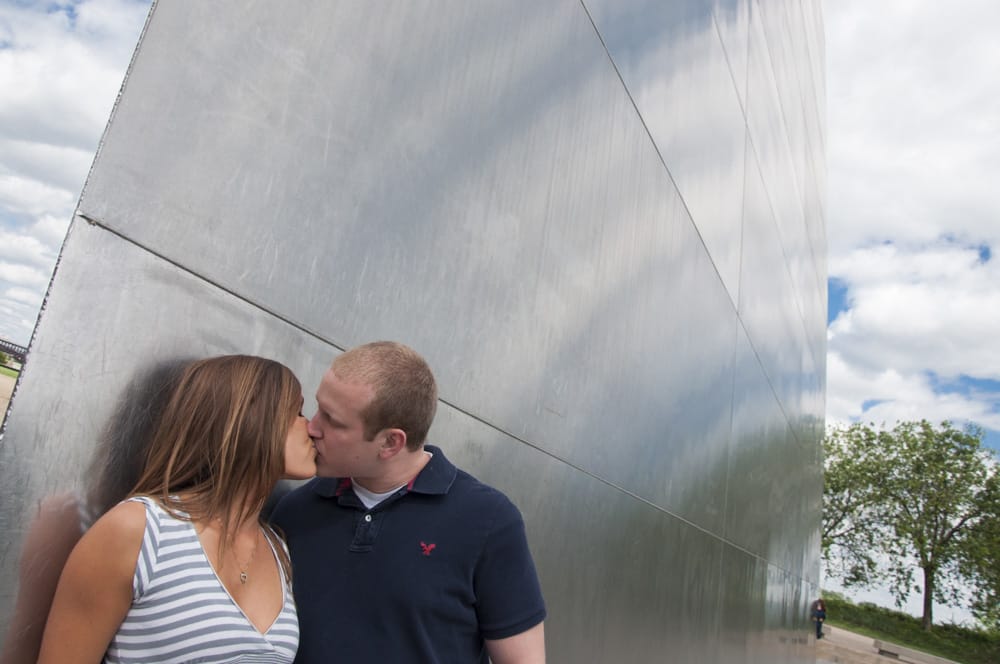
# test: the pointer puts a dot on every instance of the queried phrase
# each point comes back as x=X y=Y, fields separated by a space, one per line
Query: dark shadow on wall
x=62 y=518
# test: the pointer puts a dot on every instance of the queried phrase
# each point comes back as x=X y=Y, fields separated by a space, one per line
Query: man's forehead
x=334 y=387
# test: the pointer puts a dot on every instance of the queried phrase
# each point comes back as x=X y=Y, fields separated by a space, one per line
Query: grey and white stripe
x=181 y=612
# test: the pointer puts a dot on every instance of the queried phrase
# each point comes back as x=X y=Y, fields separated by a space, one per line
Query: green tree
x=917 y=497
x=850 y=530
x=981 y=563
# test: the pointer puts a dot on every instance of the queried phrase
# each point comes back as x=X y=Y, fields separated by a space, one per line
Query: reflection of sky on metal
x=559 y=226
x=560 y=218
x=673 y=62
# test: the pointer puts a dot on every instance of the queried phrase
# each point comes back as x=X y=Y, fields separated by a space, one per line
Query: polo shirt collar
x=435 y=478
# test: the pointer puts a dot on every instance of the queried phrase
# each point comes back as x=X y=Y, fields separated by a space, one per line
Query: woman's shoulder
x=127 y=518
x=107 y=552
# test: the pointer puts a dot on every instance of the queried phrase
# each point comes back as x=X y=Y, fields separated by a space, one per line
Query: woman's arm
x=95 y=589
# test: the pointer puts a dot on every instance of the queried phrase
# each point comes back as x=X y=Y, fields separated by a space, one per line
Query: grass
x=8 y=372
x=960 y=644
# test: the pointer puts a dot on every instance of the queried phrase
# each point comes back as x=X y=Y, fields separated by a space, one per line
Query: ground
x=6 y=387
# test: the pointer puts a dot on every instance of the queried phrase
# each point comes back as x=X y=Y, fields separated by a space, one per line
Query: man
x=398 y=556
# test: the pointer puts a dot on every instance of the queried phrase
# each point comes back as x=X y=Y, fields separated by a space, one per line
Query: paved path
x=6 y=387
x=842 y=637
x=840 y=646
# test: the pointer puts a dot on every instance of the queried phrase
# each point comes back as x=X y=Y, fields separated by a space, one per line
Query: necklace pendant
x=243 y=578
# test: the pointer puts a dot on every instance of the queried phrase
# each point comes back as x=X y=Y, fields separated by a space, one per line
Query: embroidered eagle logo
x=427 y=548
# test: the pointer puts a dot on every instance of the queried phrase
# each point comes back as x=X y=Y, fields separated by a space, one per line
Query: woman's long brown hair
x=219 y=447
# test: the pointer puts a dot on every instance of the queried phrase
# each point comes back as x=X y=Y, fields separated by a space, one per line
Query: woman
x=185 y=569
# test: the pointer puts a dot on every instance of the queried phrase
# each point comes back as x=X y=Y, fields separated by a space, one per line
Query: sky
x=912 y=213
x=60 y=71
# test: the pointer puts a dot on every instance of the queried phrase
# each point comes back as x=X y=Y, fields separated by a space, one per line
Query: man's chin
x=328 y=471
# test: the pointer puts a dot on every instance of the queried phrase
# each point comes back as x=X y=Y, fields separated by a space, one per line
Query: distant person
x=819 y=616
x=399 y=556
x=184 y=570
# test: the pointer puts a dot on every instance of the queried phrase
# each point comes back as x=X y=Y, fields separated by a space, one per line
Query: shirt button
x=368 y=518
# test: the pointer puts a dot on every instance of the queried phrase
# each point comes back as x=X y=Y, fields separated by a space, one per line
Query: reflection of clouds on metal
x=597 y=221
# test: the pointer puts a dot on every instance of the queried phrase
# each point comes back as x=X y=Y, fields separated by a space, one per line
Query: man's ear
x=392 y=442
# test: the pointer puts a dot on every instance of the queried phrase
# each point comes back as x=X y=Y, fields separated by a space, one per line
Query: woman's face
x=300 y=453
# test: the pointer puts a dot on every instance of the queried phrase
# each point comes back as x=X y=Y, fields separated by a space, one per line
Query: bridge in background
x=16 y=351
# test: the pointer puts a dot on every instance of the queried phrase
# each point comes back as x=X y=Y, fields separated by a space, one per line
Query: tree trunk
x=928 y=598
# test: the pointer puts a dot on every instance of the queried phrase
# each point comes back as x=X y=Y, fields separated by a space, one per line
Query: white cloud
x=22 y=274
x=61 y=66
x=27 y=258
x=913 y=120
x=935 y=309
x=897 y=396
x=17 y=320
x=23 y=195
x=26 y=249
x=60 y=166
x=50 y=230
x=24 y=296
x=59 y=77
x=914 y=152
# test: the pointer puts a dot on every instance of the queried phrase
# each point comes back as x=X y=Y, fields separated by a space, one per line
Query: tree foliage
x=850 y=529
x=914 y=497
x=981 y=564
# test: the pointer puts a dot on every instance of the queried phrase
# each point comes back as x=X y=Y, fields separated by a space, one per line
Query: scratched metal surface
x=601 y=222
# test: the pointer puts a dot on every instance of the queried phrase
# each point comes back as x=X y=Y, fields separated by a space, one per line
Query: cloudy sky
x=60 y=70
x=913 y=212
x=913 y=218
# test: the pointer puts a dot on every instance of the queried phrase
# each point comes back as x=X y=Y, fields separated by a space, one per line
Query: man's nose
x=313 y=429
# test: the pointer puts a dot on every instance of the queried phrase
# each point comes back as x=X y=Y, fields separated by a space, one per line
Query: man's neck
x=401 y=469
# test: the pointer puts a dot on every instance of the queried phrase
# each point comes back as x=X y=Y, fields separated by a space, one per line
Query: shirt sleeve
x=508 y=594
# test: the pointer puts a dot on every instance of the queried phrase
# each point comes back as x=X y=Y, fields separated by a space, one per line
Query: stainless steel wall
x=600 y=221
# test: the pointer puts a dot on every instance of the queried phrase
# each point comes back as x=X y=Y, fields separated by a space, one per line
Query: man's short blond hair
x=405 y=393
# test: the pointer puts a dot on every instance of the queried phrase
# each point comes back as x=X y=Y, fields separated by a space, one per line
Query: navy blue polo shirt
x=424 y=576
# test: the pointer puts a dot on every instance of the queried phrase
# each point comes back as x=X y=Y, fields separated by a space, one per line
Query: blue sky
x=913 y=219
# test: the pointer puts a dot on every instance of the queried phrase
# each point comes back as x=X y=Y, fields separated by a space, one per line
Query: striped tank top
x=181 y=612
